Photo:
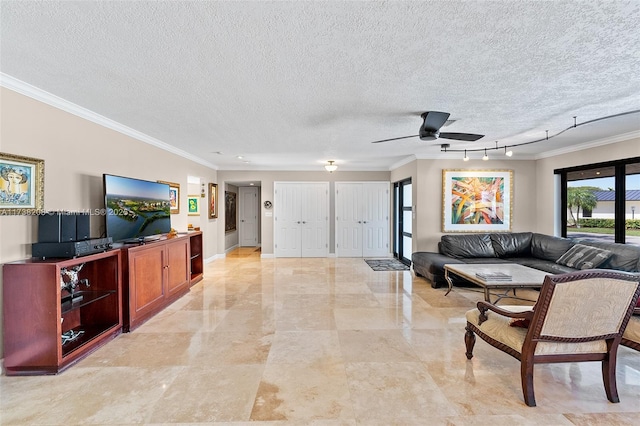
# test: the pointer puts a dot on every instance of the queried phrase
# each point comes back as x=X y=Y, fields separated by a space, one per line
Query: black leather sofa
x=530 y=249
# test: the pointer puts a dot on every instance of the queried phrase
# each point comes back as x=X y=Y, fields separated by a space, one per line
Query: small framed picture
x=174 y=196
x=193 y=202
x=213 y=200
x=21 y=185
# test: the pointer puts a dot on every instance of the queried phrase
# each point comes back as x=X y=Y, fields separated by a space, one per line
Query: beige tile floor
x=313 y=341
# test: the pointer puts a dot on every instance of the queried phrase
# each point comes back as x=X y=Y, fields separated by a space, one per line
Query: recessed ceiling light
x=240 y=157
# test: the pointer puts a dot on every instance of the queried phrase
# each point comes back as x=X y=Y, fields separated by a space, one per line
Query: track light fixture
x=331 y=167
x=509 y=152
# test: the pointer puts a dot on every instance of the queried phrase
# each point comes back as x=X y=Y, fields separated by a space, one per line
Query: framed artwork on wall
x=229 y=211
x=193 y=204
x=213 y=201
x=174 y=196
x=21 y=185
x=477 y=200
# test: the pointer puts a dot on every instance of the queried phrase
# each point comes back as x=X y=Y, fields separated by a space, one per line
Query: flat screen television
x=136 y=210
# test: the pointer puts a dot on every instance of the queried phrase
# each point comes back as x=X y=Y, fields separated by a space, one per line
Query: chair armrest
x=483 y=307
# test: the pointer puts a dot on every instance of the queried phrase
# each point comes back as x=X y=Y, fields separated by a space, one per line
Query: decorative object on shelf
x=174 y=196
x=267 y=204
x=229 y=211
x=193 y=204
x=70 y=281
x=21 y=184
x=477 y=200
x=213 y=201
x=331 y=167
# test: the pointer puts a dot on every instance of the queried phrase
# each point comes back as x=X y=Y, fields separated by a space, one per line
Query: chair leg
x=469 y=341
x=526 y=376
x=609 y=377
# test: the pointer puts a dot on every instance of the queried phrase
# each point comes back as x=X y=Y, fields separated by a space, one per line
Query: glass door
x=403 y=221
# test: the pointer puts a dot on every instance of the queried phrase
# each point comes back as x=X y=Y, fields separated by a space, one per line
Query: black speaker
x=82 y=227
x=56 y=227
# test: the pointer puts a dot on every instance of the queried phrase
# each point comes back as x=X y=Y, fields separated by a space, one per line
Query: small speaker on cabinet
x=56 y=227
x=83 y=226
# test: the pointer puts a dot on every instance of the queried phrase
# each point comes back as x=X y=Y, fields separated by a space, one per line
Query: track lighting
x=509 y=153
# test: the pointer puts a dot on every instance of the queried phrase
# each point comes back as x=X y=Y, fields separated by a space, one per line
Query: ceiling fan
x=430 y=129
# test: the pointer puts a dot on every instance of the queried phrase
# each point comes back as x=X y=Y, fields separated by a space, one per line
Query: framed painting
x=229 y=211
x=213 y=201
x=477 y=200
x=193 y=204
x=21 y=185
x=174 y=196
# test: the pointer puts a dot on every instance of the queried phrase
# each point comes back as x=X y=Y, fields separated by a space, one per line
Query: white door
x=375 y=219
x=287 y=221
x=301 y=219
x=315 y=219
x=248 y=207
x=348 y=221
x=362 y=219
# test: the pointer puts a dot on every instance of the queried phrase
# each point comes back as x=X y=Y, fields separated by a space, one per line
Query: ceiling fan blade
x=433 y=120
x=461 y=136
x=395 y=139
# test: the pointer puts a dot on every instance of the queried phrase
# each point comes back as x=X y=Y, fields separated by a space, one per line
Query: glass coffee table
x=521 y=277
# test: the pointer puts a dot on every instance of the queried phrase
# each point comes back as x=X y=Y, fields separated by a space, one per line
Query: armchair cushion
x=584 y=257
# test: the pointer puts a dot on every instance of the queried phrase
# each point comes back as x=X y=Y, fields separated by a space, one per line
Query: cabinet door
x=178 y=273
x=146 y=278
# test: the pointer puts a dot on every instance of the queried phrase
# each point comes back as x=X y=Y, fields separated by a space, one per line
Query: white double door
x=362 y=219
x=301 y=219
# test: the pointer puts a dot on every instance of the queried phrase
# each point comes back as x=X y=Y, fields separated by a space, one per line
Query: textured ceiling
x=290 y=85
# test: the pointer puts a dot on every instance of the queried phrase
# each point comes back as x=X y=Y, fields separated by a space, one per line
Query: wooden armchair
x=579 y=316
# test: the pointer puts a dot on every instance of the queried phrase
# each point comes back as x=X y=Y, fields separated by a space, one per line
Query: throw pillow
x=584 y=257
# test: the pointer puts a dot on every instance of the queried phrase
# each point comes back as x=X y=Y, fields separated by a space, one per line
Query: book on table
x=493 y=276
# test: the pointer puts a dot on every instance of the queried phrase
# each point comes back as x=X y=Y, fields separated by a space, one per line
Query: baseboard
x=214 y=257
x=267 y=256
x=232 y=248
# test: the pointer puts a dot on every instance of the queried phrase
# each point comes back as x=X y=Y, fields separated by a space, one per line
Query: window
x=592 y=205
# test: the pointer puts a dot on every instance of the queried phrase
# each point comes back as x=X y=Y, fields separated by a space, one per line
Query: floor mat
x=386 y=265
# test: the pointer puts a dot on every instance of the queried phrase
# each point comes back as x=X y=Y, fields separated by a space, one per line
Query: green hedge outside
x=608 y=223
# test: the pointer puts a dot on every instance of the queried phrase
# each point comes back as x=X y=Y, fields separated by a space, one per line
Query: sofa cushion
x=584 y=257
x=467 y=245
x=514 y=244
x=624 y=257
x=548 y=247
x=541 y=264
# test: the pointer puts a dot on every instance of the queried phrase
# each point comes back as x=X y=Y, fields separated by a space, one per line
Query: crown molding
x=402 y=162
x=33 y=92
x=592 y=144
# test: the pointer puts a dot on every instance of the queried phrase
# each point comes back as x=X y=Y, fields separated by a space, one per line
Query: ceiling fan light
x=331 y=167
